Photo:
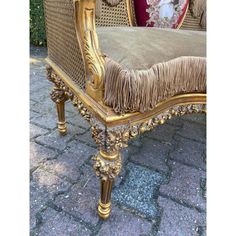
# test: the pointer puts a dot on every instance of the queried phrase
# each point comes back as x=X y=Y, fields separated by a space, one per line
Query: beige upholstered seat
x=142 y=47
x=147 y=65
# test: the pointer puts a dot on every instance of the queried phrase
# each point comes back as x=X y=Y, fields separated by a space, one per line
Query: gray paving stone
x=74 y=117
x=43 y=187
x=193 y=131
x=39 y=91
x=37 y=68
x=37 y=131
x=87 y=138
x=39 y=153
x=189 y=152
x=68 y=163
x=38 y=79
x=184 y=185
x=34 y=114
x=38 y=201
x=80 y=149
x=203 y=187
x=125 y=154
x=38 y=52
x=163 y=133
x=199 y=118
x=153 y=154
x=178 y=220
x=81 y=201
x=58 y=223
x=46 y=107
x=38 y=88
x=77 y=120
x=48 y=121
x=136 y=143
x=138 y=189
x=71 y=108
x=56 y=140
x=123 y=223
x=48 y=182
x=176 y=121
x=201 y=230
x=32 y=103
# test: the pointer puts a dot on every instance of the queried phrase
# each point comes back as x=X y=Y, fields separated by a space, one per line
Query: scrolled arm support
x=88 y=41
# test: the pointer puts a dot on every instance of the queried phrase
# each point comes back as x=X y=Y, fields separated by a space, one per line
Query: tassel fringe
x=141 y=90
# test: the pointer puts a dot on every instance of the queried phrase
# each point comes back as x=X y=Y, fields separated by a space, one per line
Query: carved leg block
x=107 y=166
x=59 y=97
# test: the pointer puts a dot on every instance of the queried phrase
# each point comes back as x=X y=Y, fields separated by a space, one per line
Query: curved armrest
x=88 y=41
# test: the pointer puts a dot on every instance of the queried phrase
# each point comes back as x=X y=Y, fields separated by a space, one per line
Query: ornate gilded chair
x=123 y=80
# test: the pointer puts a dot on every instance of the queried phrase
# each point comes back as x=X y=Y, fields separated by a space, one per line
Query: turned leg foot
x=107 y=167
x=59 y=97
x=61 y=124
x=104 y=205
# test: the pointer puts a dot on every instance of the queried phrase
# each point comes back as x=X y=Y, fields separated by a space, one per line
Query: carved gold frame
x=110 y=131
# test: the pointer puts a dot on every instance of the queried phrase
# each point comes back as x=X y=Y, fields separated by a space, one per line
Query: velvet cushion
x=147 y=65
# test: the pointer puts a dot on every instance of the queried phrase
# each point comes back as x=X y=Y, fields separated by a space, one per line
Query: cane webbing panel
x=113 y=15
x=63 y=47
x=191 y=23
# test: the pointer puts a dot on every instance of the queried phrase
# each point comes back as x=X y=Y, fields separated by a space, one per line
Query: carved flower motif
x=106 y=169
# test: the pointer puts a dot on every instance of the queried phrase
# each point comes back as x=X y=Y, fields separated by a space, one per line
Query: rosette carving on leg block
x=107 y=166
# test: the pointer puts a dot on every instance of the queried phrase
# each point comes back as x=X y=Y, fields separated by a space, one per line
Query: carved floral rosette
x=106 y=169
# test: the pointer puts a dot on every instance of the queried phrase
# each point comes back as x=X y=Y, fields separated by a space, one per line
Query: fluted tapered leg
x=59 y=97
x=61 y=123
x=104 y=205
x=107 y=167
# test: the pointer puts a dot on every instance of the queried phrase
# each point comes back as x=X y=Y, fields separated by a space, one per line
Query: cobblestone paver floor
x=161 y=190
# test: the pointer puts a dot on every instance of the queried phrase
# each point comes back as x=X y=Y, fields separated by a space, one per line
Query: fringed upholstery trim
x=198 y=9
x=141 y=90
